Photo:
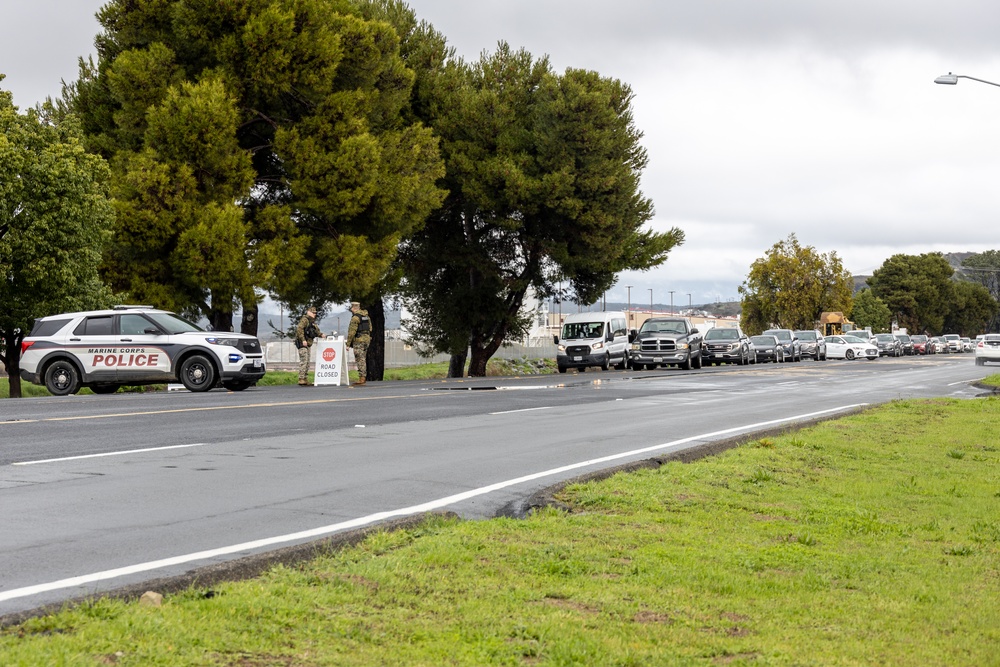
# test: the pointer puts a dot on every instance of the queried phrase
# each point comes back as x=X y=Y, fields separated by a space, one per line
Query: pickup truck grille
x=657 y=346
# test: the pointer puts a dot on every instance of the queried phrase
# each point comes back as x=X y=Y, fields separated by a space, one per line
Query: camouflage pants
x=360 y=354
x=304 y=363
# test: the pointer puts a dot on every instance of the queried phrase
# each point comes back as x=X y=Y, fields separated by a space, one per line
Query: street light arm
x=950 y=79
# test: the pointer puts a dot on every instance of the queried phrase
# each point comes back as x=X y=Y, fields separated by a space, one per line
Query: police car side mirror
x=151 y=330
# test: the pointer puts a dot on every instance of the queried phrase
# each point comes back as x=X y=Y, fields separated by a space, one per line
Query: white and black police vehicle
x=135 y=345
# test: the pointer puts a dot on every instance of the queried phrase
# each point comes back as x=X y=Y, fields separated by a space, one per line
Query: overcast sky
x=761 y=118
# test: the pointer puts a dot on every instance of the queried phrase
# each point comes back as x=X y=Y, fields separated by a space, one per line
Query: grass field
x=869 y=540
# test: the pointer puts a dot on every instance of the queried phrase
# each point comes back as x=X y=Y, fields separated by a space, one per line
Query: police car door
x=95 y=343
x=141 y=352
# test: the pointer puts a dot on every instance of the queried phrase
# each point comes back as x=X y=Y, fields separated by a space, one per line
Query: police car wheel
x=197 y=373
x=62 y=378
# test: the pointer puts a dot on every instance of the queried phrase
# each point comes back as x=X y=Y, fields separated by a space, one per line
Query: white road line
x=97 y=456
x=510 y=412
x=382 y=516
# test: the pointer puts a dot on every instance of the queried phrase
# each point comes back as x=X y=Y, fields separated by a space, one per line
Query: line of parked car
x=602 y=339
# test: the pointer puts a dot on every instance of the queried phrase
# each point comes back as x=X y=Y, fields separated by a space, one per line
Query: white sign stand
x=331 y=362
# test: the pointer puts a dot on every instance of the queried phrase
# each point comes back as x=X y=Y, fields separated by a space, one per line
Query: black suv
x=789 y=343
x=726 y=345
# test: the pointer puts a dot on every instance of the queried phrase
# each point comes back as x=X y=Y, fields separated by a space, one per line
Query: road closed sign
x=331 y=362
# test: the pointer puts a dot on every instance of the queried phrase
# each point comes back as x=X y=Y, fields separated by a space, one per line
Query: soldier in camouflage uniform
x=359 y=335
x=305 y=334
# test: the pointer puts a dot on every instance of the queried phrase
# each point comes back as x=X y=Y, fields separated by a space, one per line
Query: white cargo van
x=593 y=339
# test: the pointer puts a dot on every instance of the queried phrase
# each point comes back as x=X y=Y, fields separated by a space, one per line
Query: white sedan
x=988 y=349
x=849 y=347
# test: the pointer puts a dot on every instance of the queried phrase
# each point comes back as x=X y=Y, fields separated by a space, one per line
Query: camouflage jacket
x=306 y=331
x=360 y=329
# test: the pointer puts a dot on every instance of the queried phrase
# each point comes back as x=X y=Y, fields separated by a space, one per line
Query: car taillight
x=25 y=344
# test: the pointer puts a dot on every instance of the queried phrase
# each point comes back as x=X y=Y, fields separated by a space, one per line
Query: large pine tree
x=256 y=146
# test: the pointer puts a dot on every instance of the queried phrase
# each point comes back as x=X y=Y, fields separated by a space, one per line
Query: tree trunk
x=248 y=325
x=376 y=349
x=456 y=367
x=219 y=320
x=12 y=361
x=477 y=364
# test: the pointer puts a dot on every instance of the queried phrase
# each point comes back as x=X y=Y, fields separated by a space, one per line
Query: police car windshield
x=173 y=324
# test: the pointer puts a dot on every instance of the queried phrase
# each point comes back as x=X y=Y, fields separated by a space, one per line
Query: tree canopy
x=255 y=146
x=543 y=179
x=55 y=217
x=870 y=312
x=918 y=290
x=792 y=285
x=984 y=269
x=973 y=309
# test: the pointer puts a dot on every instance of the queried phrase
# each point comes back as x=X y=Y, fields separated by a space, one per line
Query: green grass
x=859 y=541
x=495 y=367
x=991 y=380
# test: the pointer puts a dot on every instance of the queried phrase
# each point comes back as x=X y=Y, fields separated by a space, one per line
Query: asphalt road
x=101 y=492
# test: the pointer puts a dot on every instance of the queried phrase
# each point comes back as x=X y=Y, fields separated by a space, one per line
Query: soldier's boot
x=361 y=380
x=303 y=382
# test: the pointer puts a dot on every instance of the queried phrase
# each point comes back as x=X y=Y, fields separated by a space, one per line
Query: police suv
x=133 y=345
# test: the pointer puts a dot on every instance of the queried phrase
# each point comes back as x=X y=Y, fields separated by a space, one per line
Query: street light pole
x=689 y=302
x=629 y=308
x=672 y=301
x=950 y=79
x=650 y=301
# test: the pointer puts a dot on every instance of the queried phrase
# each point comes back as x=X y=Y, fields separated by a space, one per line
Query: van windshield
x=580 y=330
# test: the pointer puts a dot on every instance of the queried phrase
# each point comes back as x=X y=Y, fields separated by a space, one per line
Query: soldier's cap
x=355 y=304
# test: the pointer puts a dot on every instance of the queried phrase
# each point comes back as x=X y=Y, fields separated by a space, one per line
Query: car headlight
x=636 y=347
x=228 y=342
x=597 y=346
x=682 y=346
x=561 y=348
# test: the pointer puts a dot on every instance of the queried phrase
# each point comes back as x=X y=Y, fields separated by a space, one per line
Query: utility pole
x=671 y=301
x=629 y=307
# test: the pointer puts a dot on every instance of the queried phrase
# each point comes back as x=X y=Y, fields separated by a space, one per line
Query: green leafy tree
x=543 y=179
x=869 y=311
x=918 y=290
x=984 y=269
x=425 y=52
x=55 y=217
x=791 y=286
x=972 y=310
x=255 y=147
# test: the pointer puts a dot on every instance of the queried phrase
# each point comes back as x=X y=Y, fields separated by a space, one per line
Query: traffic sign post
x=331 y=362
